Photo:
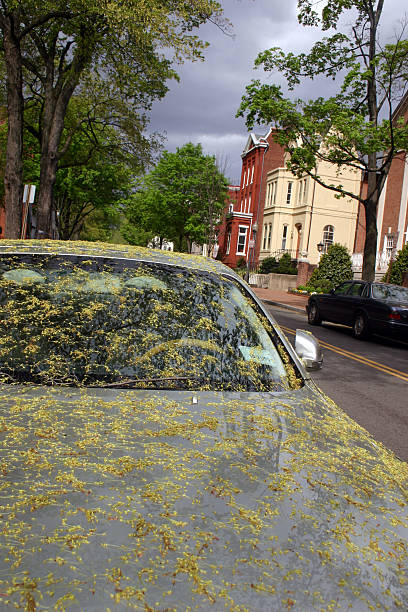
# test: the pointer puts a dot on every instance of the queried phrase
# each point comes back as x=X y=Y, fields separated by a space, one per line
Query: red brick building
x=239 y=236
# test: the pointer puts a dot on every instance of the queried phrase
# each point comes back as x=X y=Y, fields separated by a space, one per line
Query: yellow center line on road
x=359 y=358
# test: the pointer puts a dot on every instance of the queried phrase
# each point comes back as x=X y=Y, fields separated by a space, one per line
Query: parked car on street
x=163 y=447
x=377 y=308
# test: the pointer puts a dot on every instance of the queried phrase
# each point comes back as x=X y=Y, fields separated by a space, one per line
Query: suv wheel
x=313 y=314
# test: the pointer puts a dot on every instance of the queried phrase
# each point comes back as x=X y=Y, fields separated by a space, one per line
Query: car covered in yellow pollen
x=162 y=447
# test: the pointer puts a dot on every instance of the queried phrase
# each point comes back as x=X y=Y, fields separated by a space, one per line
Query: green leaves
x=181 y=199
x=334 y=268
x=356 y=127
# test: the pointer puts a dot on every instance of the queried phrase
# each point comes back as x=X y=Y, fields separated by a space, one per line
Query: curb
x=286 y=306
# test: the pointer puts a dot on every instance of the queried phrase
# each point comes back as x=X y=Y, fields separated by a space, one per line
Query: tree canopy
x=357 y=126
x=53 y=48
x=180 y=200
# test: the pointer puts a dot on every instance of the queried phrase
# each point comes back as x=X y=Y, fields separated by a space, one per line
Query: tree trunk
x=53 y=124
x=48 y=175
x=370 y=244
x=57 y=96
x=13 y=175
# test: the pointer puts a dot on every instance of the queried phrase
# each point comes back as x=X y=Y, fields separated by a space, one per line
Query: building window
x=328 y=235
x=249 y=203
x=268 y=195
x=228 y=242
x=389 y=246
x=241 y=243
x=300 y=189
x=304 y=190
x=284 y=237
x=272 y=193
x=252 y=174
x=269 y=236
x=265 y=236
x=289 y=192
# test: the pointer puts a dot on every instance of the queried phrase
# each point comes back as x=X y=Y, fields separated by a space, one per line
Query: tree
x=355 y=128
x=17 y=21
x=334 y=268
x=91 y=195
x=60 y=43
x=180 y=200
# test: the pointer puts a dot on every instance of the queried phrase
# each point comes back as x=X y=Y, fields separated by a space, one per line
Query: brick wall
x=274 y=158
x=392 y=197
x=305 y=270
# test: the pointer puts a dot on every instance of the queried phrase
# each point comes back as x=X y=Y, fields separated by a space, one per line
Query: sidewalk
x=283 y=299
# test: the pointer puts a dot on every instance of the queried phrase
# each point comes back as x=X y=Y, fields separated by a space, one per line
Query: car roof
x=117 y=251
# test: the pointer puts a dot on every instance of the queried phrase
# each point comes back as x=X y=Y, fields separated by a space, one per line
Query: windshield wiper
x=134 y=382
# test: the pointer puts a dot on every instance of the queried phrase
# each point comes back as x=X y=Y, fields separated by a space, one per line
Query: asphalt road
x=367 y=379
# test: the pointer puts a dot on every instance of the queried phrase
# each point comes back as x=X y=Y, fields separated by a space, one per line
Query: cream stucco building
x=299 y=213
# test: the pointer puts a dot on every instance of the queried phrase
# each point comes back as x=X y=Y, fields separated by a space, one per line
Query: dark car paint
x=343 y=308
x=179 y=500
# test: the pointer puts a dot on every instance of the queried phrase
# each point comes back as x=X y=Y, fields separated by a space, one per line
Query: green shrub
x=334 y=268
x=397 y=267
x=241 y=263
x=285 y=265
x=282 y=266
x=268 y=265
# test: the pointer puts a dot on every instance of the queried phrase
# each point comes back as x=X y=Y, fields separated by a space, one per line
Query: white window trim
x=268 y=193
x=264 y=236
x=284 y=237
x=289 y=192
x=269 y=237
x=327 y=243
x=245 y=227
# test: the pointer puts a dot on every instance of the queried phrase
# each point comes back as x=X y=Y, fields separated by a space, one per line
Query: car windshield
x=392 y=293
x=83 y=321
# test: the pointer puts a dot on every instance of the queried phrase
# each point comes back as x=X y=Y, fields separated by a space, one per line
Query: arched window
x=328 y=235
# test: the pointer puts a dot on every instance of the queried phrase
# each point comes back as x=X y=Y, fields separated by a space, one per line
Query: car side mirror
x=308 y=350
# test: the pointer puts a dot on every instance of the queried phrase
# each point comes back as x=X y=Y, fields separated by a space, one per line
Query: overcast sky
x=202 y=106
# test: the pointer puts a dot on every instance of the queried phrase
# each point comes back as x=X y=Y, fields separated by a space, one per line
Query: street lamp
x=320 y=248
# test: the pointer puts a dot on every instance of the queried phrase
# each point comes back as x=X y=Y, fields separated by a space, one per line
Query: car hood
x=180 y=500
